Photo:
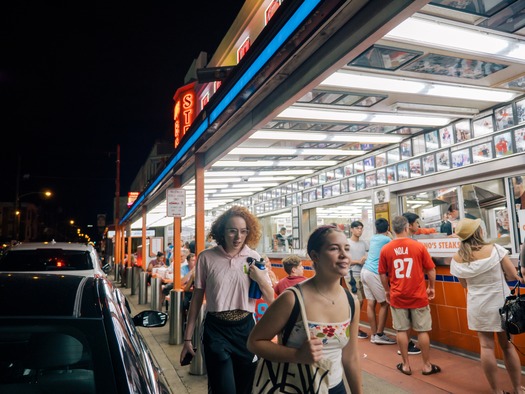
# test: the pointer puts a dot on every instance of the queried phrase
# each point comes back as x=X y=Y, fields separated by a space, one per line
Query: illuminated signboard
x=270 y=11
x=183 y=111
x=132 y=196
x=243 y=49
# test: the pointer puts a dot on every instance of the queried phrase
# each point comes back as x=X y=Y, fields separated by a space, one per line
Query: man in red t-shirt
x=403 y=263
x=294 y=268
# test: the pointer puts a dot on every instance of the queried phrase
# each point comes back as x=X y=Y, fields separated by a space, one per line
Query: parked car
x=66 y=258
x=73 y=334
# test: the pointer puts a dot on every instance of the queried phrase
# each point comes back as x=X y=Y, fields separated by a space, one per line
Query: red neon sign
x=183 y=111
x=270 y=11
x=243 y=49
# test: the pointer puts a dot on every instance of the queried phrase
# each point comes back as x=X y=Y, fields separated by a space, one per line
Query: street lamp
x=18 y=212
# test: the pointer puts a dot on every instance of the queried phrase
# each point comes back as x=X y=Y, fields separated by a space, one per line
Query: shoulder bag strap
x=291 y=321
x=299 y=298
x=351 y=302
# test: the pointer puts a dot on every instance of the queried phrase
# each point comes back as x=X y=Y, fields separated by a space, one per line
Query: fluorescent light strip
x=323 y=137
x=345 y=79
x=277 y=163
x=454 y=37
x=240 y=184
x=296 y=151
x=251 y=179
x=296 y=172
x=319 y=115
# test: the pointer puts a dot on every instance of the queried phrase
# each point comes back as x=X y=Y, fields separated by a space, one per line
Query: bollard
x=143 y=288
x=197 y=366
x=116 y=271
x=176 y=317
x=129 y=278
x=135 y=278
x=123 y=277
x=156 y=294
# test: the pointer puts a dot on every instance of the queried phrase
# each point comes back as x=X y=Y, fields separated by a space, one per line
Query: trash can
x=197 y=366
x=143 y=288
x=176 y=317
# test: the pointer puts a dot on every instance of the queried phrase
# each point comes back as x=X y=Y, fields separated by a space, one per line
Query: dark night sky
x=79 y=78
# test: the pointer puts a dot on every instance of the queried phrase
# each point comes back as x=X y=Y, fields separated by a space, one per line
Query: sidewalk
x=460 y=374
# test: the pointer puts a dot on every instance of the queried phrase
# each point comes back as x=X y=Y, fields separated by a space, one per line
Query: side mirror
x=150 y=319
x=106 y=268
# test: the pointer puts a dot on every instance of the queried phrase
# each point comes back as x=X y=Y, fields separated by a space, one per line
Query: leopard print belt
x=235 y=315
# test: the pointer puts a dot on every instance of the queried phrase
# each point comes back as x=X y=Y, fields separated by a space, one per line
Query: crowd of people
x=392 y=271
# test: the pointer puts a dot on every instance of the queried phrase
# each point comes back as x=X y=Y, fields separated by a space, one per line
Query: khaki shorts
x=418 y=319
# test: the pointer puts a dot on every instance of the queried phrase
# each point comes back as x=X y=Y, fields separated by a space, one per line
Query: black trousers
x=229 y=364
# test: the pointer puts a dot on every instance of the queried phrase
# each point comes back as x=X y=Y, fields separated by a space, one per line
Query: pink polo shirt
x=225 y=279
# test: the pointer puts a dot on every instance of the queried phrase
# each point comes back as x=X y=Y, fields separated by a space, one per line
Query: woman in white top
x=484 y=269
x=332 y=332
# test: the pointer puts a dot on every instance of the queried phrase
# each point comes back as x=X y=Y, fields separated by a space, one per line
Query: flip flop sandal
x=434 y=369
x=400 y=368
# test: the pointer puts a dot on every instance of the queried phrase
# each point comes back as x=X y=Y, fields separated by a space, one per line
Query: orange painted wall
x=448 y=309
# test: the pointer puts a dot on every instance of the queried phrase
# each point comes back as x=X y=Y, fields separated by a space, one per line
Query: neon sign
x=183 y=111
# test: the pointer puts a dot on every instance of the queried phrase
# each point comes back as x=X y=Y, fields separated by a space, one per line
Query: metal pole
x=176 y=317
x=156 y=294
x=143 y=288
x=129 y=278
x=197 y=366
x=134 y=279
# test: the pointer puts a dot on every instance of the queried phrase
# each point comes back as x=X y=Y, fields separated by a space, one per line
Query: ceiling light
x=434 y=109
x=297 y=151
x=303 y=113
x=276 y=163
x=345 y=79
x=455 y=37
x=301 y=135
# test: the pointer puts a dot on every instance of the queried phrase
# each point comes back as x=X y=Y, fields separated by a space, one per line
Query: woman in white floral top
x=332 y=332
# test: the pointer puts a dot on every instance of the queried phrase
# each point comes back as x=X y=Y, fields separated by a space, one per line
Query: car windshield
x=45 y=260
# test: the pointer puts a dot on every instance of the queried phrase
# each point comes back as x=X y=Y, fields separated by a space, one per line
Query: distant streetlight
x=18 y=212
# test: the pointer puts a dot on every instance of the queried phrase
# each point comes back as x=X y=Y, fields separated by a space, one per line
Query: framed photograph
x=360 y=181
x=481 y=152
x=443 y=160
x=509 y=20
x=352 y=184
x=504 y=117
x=370 y=179
x=391 y=174
x=344 y=186
x=460 y=158
x=336 y=189
x=415 y=167
x=431 y=141
x=519 y=139
x=314 y=180
x=349 y=169
x=370 y=101
x=477 y=7
x=369 y=163
x=462 y=129
x=406 y=149
x=520 y=111
x=384 y=57
x=392 y=156
x=330 y=175
x=339 y=173
x=308 y=183
x=358 y=166
x=517 y=84
x=418 y=145
x=483 y=126
x=381 y=160
x=503 y=144
x=452 y=66
x=318 y=193
x=327 y=191
x=402 y=171
x=429 y=164
x=306 y=197
x=446 y=136
x=322 y=178
x=381 y=176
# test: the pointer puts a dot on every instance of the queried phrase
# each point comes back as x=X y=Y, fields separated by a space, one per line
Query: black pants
x=229 y=364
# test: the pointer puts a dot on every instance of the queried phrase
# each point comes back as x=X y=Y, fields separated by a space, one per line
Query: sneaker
x=412 y=349
x=362 y=335
x=383 y=339
x=373 y=338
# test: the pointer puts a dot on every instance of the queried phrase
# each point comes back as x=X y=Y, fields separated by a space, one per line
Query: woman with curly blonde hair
x=223 y=275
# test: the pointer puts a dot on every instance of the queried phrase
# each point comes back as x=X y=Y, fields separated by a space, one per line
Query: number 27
x=400 y=270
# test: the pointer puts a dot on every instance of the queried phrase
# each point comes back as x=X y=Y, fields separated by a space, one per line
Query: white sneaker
x=384 y=340
x=373 y=338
